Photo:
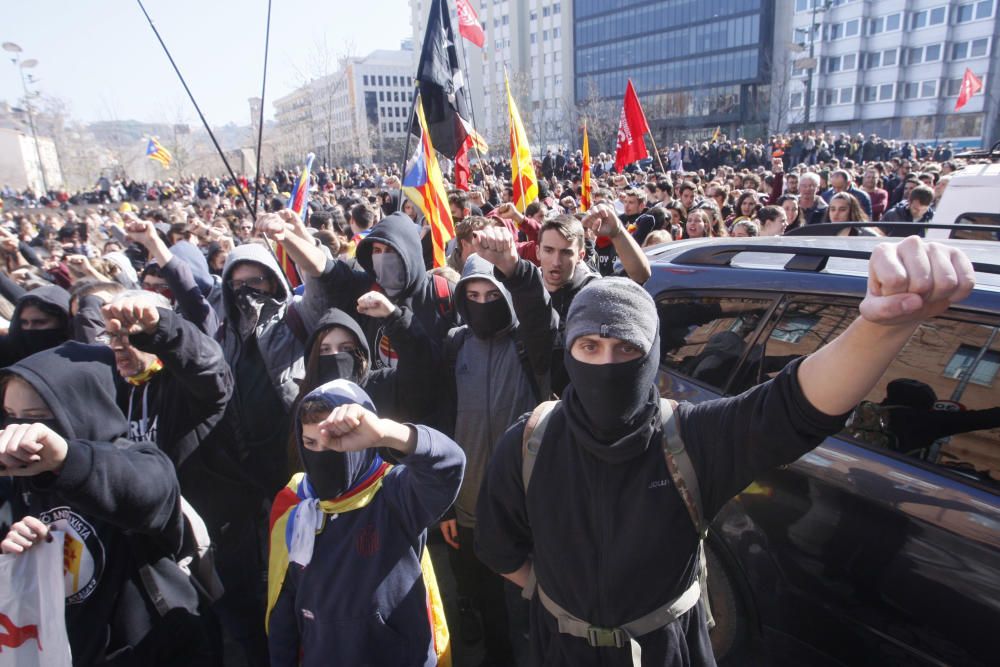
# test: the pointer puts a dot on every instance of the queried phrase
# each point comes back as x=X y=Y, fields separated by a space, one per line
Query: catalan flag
x=522 y=170
x=299 y=203
x=585 y=198
x=155 y=151
x=424 y=186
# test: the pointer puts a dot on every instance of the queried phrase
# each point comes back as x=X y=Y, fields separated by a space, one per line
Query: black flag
x=443 y=91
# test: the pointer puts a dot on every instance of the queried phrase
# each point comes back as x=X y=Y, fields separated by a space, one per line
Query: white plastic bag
x=32 y=607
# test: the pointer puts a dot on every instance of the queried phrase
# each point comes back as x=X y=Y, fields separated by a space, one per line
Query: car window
x=939 y=401
x=704 y=337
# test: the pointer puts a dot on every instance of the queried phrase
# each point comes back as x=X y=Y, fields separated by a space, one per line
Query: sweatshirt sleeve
x=283 y=640
x=733 y=440
x=538 y=321
x=191 y=356
x=418 y=369
x=503 y=533
x=130 y=485
x=340 y=286
x=9 y=289
x=190 y=301
x=429 y=479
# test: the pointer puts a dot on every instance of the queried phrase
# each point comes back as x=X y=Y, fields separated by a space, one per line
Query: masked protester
x=117 y=503
x=40 y=321
x=338 y=350
x=595 y=499
x=390 y=256
x=494 y=385
x=348 y=538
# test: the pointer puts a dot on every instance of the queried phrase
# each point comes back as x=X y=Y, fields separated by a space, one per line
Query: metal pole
x=211 y=135
x=260 y=123
x=812 y=54
x=34 y=134
x=409 y=133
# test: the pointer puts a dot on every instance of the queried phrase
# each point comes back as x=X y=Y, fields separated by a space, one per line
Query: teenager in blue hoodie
x=345 y=584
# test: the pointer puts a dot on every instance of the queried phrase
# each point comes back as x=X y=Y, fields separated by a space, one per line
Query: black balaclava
x=487 y=319
x=338 y=366
x=253 y=306
x=613 y=409
x=332 y=473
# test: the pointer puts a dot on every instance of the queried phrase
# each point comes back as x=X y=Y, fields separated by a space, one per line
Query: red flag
x=970 y=86
x=468 y=23
x=631 y=128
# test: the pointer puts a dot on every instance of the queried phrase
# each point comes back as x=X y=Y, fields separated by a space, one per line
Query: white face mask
x=390 y=272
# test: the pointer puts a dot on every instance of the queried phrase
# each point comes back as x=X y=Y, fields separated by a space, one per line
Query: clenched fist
x=497 y=246
x=913 y=280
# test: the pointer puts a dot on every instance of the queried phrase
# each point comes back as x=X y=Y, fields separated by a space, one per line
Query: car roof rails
x=992 y=154
x=804 y=258
x=831 y=228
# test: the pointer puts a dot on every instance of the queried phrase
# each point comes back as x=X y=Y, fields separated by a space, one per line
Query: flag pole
x=468 y=96
x=409 y=134
x=260 y=123
x=657 y=151
x=211 y=135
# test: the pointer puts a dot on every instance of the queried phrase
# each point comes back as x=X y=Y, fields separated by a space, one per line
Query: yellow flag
x=585 y=196
x=522 y=171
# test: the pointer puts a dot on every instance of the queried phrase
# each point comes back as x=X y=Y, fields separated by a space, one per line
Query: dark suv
x=881 y=546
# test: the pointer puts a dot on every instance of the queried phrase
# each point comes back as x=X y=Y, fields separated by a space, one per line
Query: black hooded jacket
x=19 y=343
x=344 y=286
x=180 y=408
x=118 y=503
x=396 y=392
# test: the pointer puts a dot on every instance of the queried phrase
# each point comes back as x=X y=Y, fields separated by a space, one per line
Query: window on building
x=847 y=95
x=365 y=79
x=961 y=361
x=505 y=20
x=380 y=81
x=796 y=100
x=381 y=96
x=555 y=8
x=534 y=38
x=885 y=92
x=555 y=33
x=852 y=27
x=911 y=91
x=545 y=11
x=890 y=58
x=928 y=88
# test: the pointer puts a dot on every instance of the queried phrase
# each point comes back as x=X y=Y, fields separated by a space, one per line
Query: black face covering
x=253 y=305
x=488 y=319
x=341 y=365
x=613 y=408
x=36 y=340
x=327 y=472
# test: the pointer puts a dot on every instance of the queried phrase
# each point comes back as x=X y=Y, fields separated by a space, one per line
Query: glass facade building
x=696 y=64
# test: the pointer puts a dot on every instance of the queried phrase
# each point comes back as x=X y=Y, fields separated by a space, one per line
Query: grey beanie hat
x=613 y=308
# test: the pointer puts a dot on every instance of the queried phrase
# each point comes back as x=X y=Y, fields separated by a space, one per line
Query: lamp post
x=817 y=5
x=22 y=65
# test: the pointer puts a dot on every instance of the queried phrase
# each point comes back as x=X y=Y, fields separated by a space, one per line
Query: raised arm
x=603 y=221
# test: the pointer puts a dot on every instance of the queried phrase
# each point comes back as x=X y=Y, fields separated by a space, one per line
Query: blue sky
x=102 y=57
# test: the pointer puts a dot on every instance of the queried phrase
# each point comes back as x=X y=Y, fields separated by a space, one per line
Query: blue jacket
x=361 y=600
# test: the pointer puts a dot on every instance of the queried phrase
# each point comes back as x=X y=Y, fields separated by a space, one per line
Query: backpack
x=678 y=463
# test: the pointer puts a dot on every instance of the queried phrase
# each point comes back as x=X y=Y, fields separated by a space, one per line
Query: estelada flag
x=585 y=197
x=468 y=23
x=971 y=85
x=522 y=170
x=443 y=91
x=424 y=186
x=632 y=127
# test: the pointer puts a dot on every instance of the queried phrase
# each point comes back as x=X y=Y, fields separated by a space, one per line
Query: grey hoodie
x=492 y=389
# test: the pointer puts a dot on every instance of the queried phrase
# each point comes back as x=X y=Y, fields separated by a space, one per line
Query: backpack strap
x=443 y=295
x=453 y=343
x=531 y=441
x=539 y=389
x=681 y=468
x=686 y=481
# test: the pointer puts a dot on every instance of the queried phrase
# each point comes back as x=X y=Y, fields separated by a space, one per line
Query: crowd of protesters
x=164 y=370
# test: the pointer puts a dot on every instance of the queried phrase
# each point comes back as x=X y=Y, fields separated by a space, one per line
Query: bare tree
x=601 y=116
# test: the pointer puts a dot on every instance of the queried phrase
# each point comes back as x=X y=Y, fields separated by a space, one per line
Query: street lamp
x=22 y=65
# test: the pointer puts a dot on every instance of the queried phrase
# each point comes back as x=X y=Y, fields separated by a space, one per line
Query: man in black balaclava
x=603 y=529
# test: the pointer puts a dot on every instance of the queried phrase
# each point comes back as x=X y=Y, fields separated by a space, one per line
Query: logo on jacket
x=83 y=552
x=368 y=541
x=386 y=357
x=14 y=636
